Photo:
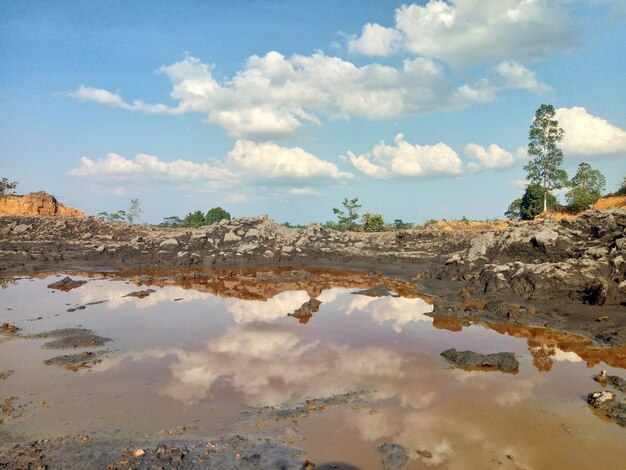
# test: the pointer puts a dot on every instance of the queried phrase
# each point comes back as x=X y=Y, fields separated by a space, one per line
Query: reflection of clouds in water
x=246 y=311
x=115 y=294
x=398 y=310
x=566 y=356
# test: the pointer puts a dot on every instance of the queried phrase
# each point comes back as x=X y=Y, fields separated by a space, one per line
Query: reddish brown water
x=187 y=357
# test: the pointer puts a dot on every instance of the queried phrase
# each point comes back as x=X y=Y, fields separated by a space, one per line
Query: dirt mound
x=39 y=203
x=609 y=202
x=471 y=225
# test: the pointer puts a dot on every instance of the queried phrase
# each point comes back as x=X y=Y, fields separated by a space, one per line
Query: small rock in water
x=395 y=456
x=504 y=361
x=66 y=284
x=140 y=294
x=139 y=453
x=597 y=399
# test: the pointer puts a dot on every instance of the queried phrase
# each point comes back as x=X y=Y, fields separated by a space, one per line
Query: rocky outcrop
x=45 y=242
x=470 y=360
x=582 y=259
x=39 y=204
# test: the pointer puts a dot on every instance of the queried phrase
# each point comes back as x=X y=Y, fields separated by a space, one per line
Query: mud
x=88 y=452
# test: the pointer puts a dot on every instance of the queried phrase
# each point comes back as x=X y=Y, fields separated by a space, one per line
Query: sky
x=421 y=110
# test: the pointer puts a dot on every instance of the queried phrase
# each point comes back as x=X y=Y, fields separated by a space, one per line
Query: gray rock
x=169 y=243
x=231 y=237
x=395 y=456
x=21 y=228
x=66 y=284
x=504 y=361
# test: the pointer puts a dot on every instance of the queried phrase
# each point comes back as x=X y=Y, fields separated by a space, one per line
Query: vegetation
x=544 y=168
x=586 y=188
x=348 y=217
x=533 y=203
x=133 y=215
x=7 y=187
x=134 y=211
x=171 y=222
x=399 y=224
x=514 y=210
x=373 y=222
x=621 y=191
x=215 y=215
x=288 y=225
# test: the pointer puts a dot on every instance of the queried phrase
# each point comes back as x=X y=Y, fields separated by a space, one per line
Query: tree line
x=545 y=173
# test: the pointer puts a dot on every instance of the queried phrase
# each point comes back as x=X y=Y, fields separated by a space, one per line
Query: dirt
x=39 y=204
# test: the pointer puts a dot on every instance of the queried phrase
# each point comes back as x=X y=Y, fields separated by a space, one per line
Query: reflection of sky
x=397 y=311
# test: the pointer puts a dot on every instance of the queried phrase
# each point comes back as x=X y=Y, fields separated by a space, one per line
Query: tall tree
x=7 y=187
x=531 y=202
x=215 y=215
x=348 y=217
x=134 y=211
x=544 y=168
x=586 y=187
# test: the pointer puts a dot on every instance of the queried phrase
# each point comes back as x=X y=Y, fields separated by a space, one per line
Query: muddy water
x=204 y=356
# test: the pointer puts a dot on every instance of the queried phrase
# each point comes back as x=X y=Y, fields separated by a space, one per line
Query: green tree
x=513 y=212
x=399 y=224
x=171 y=222
x=621 y=190
x=532 y=202
x=134 y=211
x=7 y=187
x=194 y=219
x=215 y=215
x=113 y=216
x=586 y=187
x=544 y=168
x=348 y=217
x=373 y=222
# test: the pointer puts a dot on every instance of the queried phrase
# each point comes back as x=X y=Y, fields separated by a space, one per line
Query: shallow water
x=201 y=354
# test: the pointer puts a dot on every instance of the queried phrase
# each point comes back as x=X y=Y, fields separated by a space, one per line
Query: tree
x=544 y=168
x=194 y=219
x=113 y=216
x=134 y=211
x=587 y=187
x=532 y=202
x=513 y=212
x=171 y=222
x=349 y=218
x=7 y=187
x=373 y=222
x=399 y=224
x=215 y=215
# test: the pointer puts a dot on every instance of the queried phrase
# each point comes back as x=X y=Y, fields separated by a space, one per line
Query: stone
x=597 y=399
x=394 y=456
x=504 y=361
x=169 y=243
x=66 y=284
x=21 y=228
x=231 y=237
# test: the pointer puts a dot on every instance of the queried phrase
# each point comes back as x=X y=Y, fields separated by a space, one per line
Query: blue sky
x=420 y=110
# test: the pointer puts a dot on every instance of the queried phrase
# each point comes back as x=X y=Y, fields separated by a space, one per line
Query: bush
x=532 y=202
x=373 y=223
x=215 y=215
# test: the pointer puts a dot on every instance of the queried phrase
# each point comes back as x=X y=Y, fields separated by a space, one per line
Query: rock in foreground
x=504 y=361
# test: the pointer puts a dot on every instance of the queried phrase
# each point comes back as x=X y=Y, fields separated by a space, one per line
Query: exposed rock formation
x=39 y=203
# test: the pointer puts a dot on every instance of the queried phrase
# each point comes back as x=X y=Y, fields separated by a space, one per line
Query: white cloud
x=520 y=183
x=586 y=134
x=405 y=159
x=306 y=191
x=375 y=40
x=490 y=157
x=470 y=32
x=246 y=161
x=275 y=97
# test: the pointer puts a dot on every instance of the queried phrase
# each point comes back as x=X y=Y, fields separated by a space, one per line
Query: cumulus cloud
x=375 y=40
x=246 y=161
x=305 y=191
x=490 y=157
x=405 y=159
x=275 y=96
x=586 y=134
x=470 y=32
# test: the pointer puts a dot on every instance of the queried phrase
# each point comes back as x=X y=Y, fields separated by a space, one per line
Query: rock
x=66 y=284
x=22 y=228
x=597 y=292
x=598 y=399
x=306 y=311
x=394 y=456
x=101 y=249
x=77 y=361
x=504 y=361
x=231 y=237
x=617 y=382
x=139 y=453
x=252 y=233
x=247 y=247
x=140 y=294
x=378 y=291
x=426 y=454
x=69 y=338
x=36 y=204
x=169 y=243
x=268 y=254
